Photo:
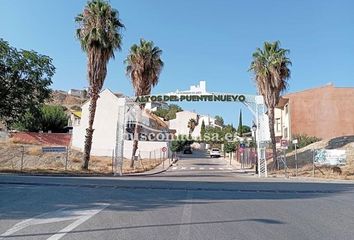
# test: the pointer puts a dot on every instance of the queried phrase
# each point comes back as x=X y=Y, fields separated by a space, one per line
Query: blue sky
x=210 y=40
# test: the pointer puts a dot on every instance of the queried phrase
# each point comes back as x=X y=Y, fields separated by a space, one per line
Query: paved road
x=199 y=163
x=176 y=205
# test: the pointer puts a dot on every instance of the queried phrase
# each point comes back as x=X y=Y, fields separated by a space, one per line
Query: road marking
x=229 y=168
x=192 y=168
x=59 y=215
x=211 y=168
x=174 y=168
x=220 y=168
x=201 y=168
x=183 y=168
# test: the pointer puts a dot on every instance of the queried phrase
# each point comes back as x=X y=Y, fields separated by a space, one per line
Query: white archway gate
x=255 y=103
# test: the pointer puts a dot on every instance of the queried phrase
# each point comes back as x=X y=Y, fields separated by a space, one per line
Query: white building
x=194 y=89
x=105 y=128
x=180 y=123
x=74 y=118
x=153 y=106
x=77 y=93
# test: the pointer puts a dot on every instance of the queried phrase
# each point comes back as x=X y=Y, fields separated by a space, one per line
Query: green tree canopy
x=202 y=130
x=230 y=146
x=168 y=113
x=243 y=129
x=213 y=135
x=49 y=118
x=25 y=78
x=178 y=144
x=219 y=120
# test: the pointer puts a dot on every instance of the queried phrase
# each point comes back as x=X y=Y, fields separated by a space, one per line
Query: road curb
x=151 y=173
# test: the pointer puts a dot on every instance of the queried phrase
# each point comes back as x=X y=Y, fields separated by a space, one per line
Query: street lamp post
x=295 y=142
x=254 y=129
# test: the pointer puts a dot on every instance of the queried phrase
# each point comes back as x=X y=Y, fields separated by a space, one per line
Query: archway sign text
x=191 y=98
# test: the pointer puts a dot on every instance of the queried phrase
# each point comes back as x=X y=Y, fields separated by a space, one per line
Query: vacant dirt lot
x=305 y=158
x=33 y=160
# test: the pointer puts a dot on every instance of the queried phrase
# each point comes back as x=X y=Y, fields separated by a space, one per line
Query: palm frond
x=144 y=66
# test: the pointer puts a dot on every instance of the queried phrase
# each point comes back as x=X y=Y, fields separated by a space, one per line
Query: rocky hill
x=64 y=99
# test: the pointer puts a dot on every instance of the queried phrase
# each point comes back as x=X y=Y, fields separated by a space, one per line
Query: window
x=277 y=124
x=286 y=109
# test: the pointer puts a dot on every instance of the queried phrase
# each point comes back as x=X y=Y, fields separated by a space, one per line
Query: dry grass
x=34 y=151
x=305 y=168
x=35 y=161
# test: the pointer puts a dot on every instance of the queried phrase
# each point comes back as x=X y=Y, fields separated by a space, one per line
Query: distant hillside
x=64 y=99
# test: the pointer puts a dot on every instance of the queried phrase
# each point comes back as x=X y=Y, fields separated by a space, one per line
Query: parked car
x=215 y=152
x=187 y=150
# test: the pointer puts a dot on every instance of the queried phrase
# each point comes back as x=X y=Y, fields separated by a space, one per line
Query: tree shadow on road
x=21 y=198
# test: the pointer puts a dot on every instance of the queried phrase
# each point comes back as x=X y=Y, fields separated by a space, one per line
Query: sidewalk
x=164 y=166
x=237 y=166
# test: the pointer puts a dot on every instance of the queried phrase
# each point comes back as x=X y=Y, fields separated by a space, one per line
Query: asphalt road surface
x=188 y=203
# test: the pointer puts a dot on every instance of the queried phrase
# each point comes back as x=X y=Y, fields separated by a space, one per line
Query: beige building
x=324 y=112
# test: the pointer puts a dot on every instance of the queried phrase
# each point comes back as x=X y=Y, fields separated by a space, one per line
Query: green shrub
x=230 y=147
x=304 y=140
x=49 y=117
x=178 y=144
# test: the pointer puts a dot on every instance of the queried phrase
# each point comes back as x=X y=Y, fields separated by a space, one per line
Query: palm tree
x=143 y=66
x=271 y=69
x=192 y=123
x=99 y=34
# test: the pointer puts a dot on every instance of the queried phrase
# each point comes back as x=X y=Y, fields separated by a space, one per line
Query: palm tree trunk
x=135 y=145
x=136 y=135
x=89 y=131
x=272 y=135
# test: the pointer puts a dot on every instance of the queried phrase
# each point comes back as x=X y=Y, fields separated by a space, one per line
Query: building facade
x=324 y=112
x=180 y=123
x=105 y=128
x=74 y=118
x=77 y=92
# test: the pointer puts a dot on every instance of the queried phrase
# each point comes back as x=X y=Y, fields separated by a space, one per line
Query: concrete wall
x=324 y=112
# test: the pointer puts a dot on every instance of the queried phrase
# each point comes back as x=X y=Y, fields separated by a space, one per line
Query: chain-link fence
x=24 y=157
x=144 y=161
x=315 y=163
x=247 y=157
x=35 y=158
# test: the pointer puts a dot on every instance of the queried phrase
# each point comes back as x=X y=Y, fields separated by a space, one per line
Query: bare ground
x=305 y=156
x=35 y=161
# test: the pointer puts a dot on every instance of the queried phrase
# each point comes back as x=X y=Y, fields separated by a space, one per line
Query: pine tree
x=202 y=130
x=239 y=130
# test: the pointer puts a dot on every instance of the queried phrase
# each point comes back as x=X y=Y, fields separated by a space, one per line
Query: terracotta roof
x=49 y=139
x=158 y=120
x=282 y=102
